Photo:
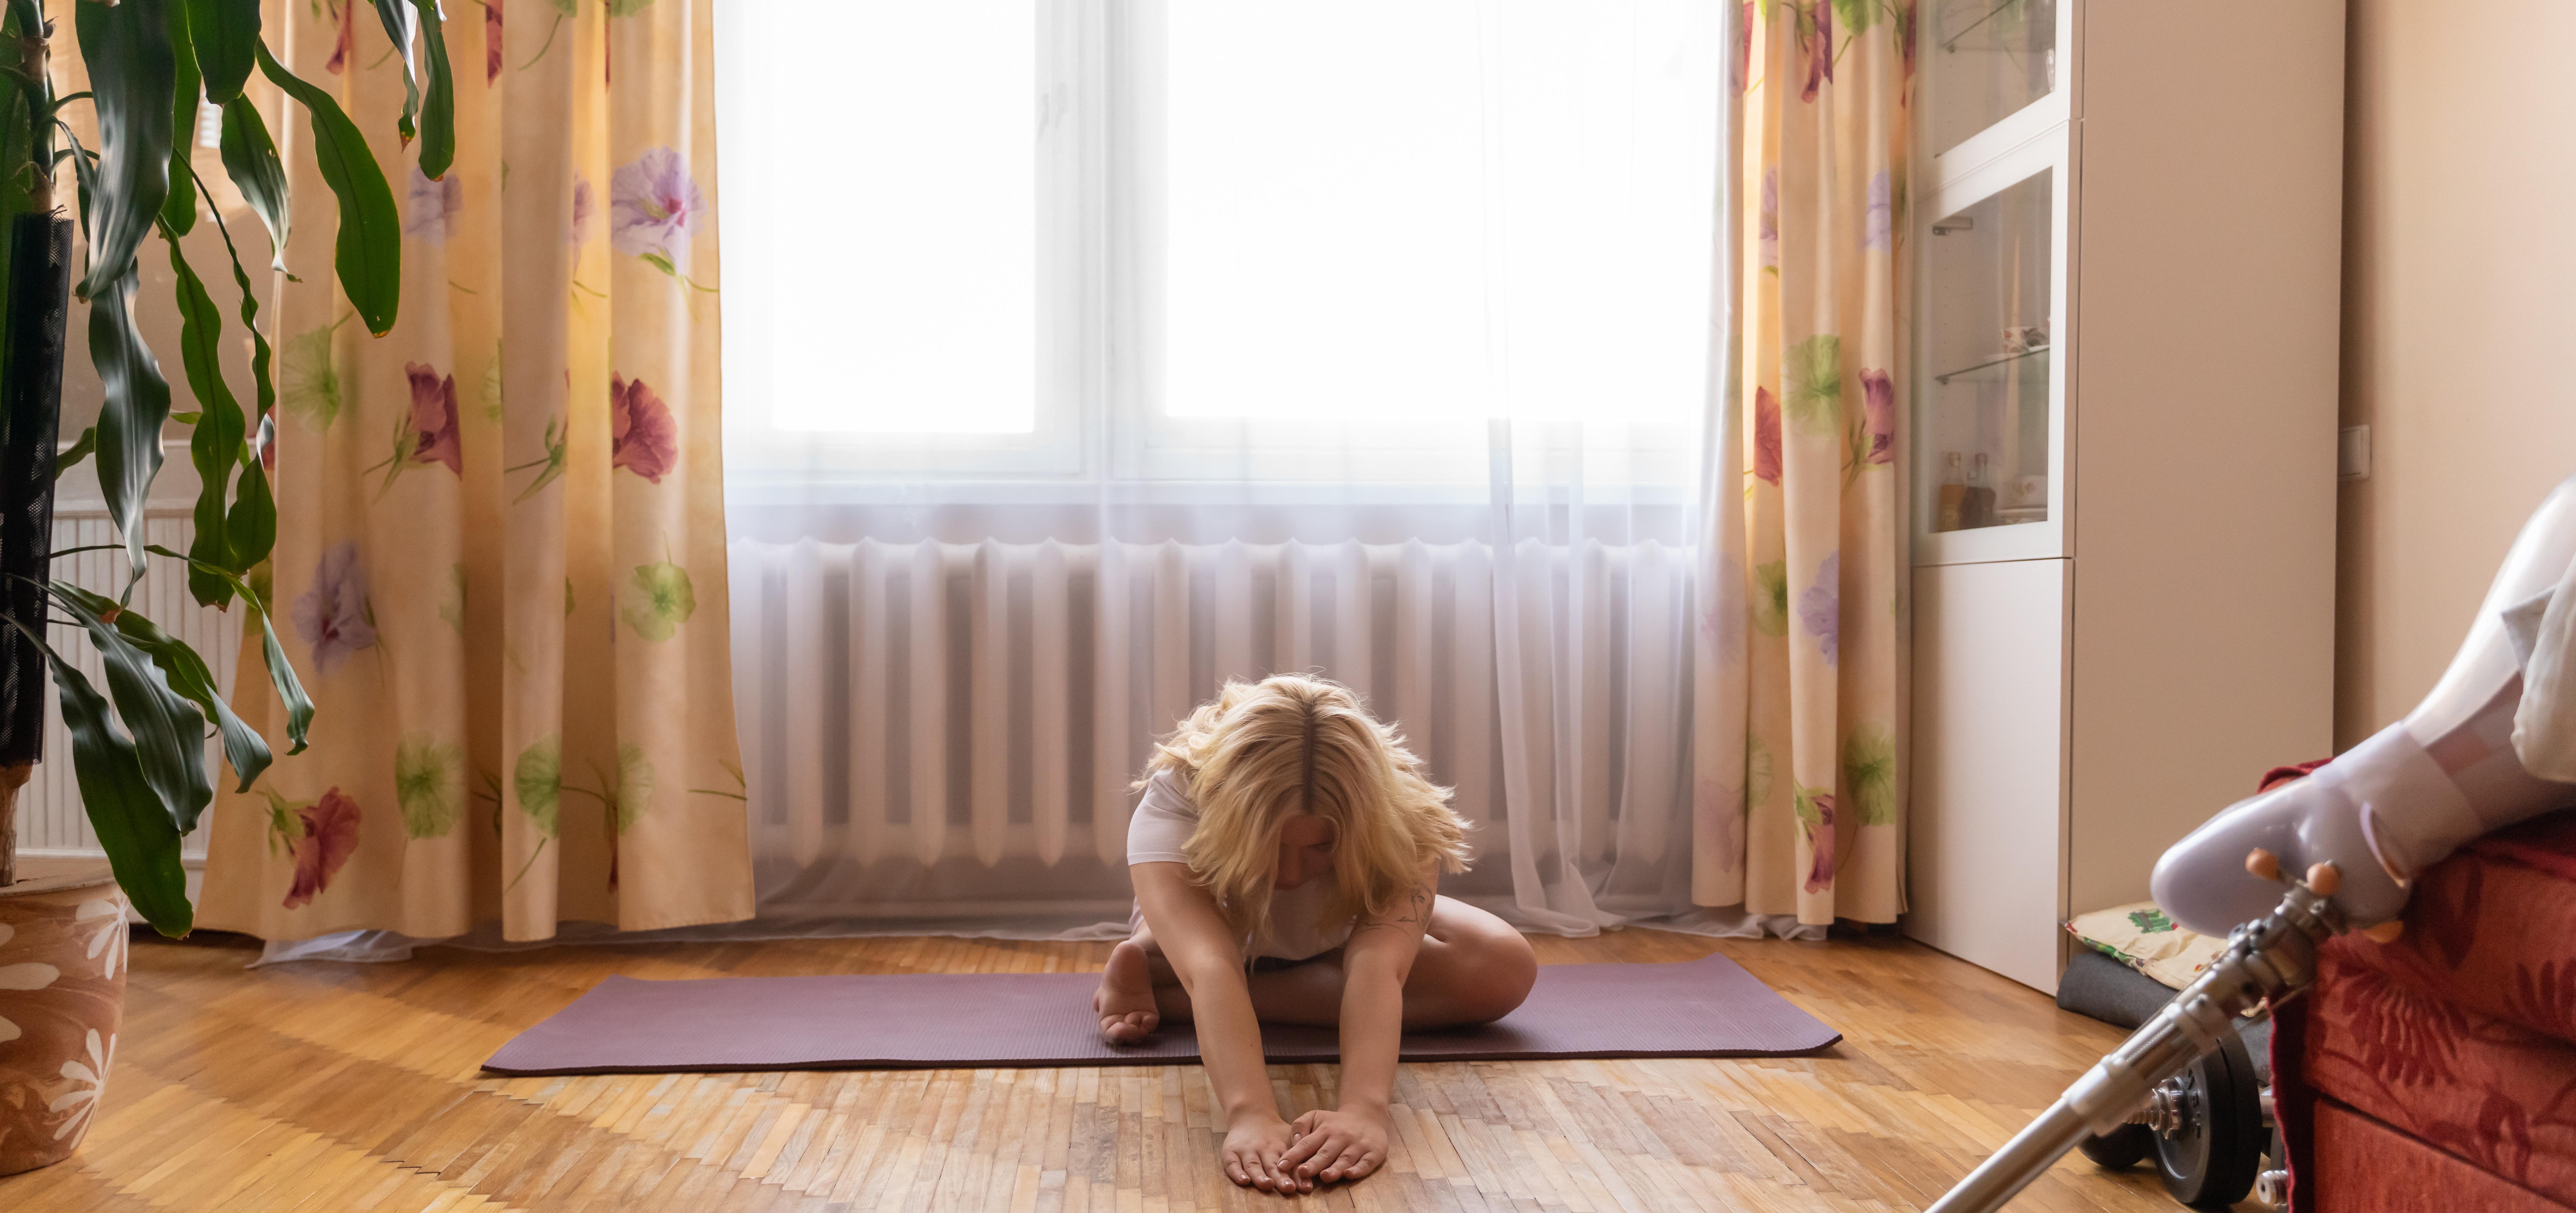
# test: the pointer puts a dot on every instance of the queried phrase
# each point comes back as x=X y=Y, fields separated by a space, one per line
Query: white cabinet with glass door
x=2123 y=398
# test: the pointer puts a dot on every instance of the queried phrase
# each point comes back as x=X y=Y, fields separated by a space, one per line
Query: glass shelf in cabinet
x=1996 y=361
x=1993 y=32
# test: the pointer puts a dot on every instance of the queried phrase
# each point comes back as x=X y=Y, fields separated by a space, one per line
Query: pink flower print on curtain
x=433 y=700
x=334 y=617
x=1769 y=232
x=329 y=838
x=1879 y=222
x=585 y=208
x=1816 y=42
x=1878 y=398
x=1816 y=320
x=654 y=205
x=430 y=207
x=1766 y=435
x=1820 y=606
x=1816 y=821
x=1903 y=18
x=642 y=437
x=433 y=418
x=491 y=40
x=348 y=42
x=1743 y=69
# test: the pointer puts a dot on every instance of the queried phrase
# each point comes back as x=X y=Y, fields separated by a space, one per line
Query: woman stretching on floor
x=1287 y=857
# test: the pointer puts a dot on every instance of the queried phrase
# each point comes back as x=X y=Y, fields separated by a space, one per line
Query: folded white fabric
x=2544 y=727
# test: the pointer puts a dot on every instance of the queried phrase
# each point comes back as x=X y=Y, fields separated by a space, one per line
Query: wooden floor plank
x=344 y=1087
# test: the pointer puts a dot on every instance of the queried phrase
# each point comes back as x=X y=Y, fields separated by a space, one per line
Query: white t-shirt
x=1160 y=833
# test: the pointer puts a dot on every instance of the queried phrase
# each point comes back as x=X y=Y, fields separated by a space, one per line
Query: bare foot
x=1125 y=999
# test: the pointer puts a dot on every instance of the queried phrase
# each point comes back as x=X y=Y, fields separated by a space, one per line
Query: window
x=880 y=215
x=1220 y=239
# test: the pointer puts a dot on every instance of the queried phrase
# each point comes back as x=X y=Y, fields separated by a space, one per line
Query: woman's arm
x=1351 y=1140
x=1203 y=954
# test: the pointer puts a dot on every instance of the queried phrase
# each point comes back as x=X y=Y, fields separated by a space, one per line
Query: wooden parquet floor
x=335 y=1087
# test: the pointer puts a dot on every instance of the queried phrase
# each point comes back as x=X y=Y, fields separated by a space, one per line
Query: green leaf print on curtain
x=1814 y=369
x=508 y=566
x=1805 y=548
x=429 y=785
x=659 y=599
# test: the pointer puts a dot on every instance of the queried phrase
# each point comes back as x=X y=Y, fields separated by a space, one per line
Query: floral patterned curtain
x=1799 y=800
x=500 y=564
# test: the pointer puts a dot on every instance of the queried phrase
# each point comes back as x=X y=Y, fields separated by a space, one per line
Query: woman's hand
x=1255 y=1144
x=1345 y=1143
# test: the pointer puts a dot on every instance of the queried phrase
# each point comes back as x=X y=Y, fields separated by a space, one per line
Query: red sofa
x=2438 y=1072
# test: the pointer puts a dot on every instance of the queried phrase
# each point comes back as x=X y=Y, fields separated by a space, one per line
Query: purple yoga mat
x=1701 y=1008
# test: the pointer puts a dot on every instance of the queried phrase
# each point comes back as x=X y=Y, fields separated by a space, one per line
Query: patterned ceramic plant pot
x=62 y=993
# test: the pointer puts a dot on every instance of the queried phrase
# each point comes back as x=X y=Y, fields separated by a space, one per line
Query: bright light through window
x=1439 y=209
x=955 y=233
x=880 y=204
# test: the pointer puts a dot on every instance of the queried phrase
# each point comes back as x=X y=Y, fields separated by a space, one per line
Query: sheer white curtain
x=1081 y=355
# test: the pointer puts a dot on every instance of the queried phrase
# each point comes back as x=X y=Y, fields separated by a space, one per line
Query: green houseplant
x=139 y=748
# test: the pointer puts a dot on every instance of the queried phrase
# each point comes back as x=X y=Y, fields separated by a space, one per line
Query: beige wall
x=2459 y=345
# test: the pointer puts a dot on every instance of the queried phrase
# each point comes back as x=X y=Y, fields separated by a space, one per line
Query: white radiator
x=987 y=689
x=50 y=818
x=936 y=701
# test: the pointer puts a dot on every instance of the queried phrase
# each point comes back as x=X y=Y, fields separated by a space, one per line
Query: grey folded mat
x=2107 y=990
x=1701 y=1008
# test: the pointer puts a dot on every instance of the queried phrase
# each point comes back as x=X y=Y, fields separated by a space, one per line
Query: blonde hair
x=1264 y=751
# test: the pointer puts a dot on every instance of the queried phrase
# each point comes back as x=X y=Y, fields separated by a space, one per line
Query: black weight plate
x=2119 y=1149
x=2211 y=1164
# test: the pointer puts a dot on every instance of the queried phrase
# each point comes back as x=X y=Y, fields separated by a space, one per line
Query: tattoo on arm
x=1415 y=912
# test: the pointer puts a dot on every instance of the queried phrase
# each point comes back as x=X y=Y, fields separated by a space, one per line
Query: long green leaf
x=179 y=208
x=76 y=452
x=260 y=354
x=281 y=675
x=169 y=733
x=224 y=31
x=30 y=15
x=369 y=251
x=188 y=676
x=250 y=159
x=396 y=15
x=215 y=445
x=142 y=844
x=135 y=399
x=129 y=420
x=127 y=47
x=84 y=172
x=252 y=524
x=438 y=104
x=281 y=672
